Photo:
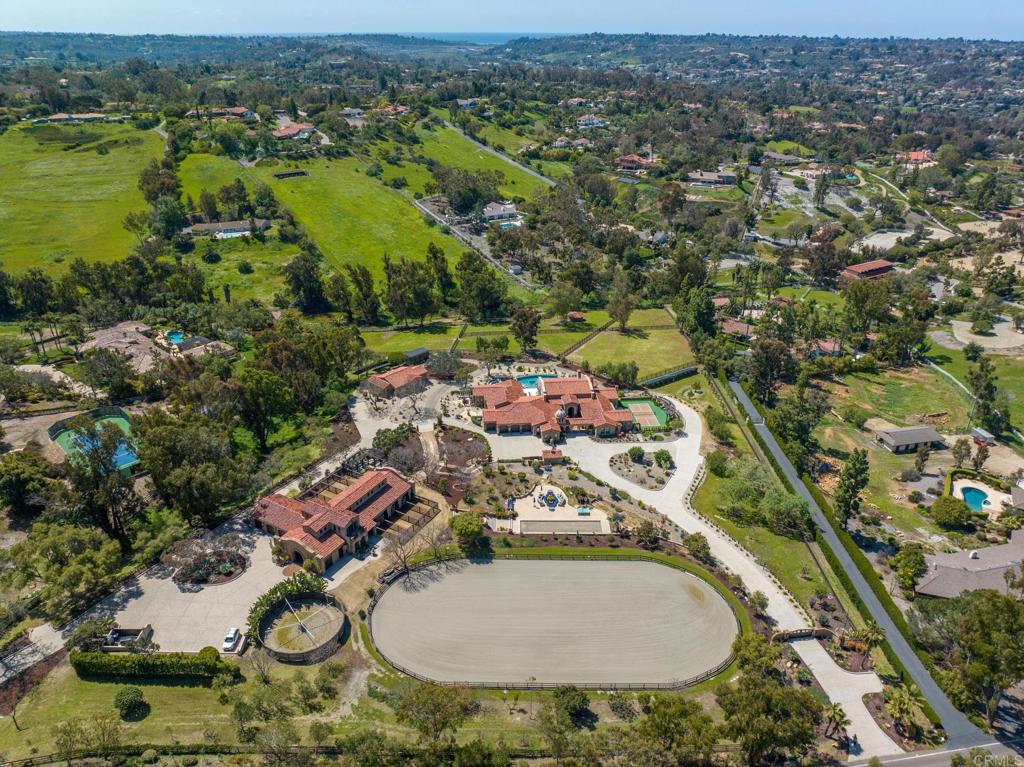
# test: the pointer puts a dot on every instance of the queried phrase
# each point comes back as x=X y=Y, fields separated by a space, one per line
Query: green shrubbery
x=302 y=582
x=205 y=664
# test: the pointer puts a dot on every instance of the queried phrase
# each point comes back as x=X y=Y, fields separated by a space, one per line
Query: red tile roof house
x=295 y=131
x=328 y=530
x=398 y=382
x=562 y=405
x=869 y=270
x=632 y=162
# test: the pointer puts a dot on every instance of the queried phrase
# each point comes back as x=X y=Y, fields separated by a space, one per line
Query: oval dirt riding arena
x=509 y=622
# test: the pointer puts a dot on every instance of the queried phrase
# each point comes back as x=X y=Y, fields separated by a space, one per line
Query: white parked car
x=231 y=640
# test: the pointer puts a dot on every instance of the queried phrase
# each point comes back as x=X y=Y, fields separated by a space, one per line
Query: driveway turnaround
x=188 y=621
x=595 y=623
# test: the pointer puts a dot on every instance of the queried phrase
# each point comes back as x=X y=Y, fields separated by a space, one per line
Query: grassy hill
x=65 y=190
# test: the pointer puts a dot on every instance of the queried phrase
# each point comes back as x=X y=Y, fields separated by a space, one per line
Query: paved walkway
x=959 y=731
x=848 y=688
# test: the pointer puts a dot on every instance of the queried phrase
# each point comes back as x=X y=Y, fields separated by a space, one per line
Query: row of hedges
x=205 y=664
x=303 y=582
x=965 y=473
x=877 y=587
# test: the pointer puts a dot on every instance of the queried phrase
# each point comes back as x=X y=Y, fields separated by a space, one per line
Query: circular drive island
x=521 y=623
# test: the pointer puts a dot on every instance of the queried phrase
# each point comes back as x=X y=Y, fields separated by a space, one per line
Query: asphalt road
x=960 y=732
x=502 y=156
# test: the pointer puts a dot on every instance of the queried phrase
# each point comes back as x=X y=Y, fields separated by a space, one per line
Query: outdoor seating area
x=547 y=510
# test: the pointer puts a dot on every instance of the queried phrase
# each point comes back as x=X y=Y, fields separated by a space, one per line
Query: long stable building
x=327 y=527
x=561 y=405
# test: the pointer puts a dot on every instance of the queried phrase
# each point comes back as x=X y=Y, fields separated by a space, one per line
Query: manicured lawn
x=65 y=190
x=354 y=218
x=556 y=336
x=490 y=332
x=450 y=148
x=433 y=337
x=206 y=171
x=652 y=350
x=646 y=318
x=821 y=297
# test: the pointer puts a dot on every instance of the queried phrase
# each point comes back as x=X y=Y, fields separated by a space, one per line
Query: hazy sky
x=1003 y=19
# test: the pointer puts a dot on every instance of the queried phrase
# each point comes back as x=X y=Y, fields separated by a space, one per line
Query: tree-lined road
x=960 y=732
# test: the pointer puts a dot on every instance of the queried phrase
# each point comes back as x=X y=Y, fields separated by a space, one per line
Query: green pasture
x=653 y=350
x=64 y=191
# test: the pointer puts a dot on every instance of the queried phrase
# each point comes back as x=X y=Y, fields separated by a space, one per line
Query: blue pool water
x=123 y=457
x=975 y=498
x=176 y=337
x=529 y=383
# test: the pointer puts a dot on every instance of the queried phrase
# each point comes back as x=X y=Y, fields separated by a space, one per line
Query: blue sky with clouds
x=1002 y=19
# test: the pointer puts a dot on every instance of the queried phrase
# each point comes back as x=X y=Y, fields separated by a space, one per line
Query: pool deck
x=534 y=517
x=997 y=499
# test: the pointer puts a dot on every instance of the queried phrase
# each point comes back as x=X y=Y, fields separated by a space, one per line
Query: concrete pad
x=556 y=621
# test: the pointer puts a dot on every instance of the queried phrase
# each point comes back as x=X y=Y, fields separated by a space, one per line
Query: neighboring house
x=582 y=143
x=653 y=238
x=295 y=132
x=79 y=117
x=950 y=575
x=590 y=121
x=562 y=142
x=407 y=379
x=909 y=439
x=352 y=113
x=222 y=230
x=575 y=102
x=781 y=158
x=919 y=157
x=731 y=327
x=417 y=355
x=243 y=113
x=327 y=528
x=824 y=348
x=633 y=163
x=196 y=346
x=500 y=211
x=721 y=302
x=561 y=405
x=467 y=103
x=717 y=178
x=134 y=339
x=869 y=270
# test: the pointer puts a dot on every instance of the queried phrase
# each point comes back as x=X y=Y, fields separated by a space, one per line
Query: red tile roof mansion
x=561 y=405
x=328 y=529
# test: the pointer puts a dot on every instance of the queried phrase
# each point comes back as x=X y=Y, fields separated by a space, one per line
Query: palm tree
x=872 y=635
x=836 y=718
x=900 y=707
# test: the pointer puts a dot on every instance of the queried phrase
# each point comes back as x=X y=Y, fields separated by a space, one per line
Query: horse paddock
x=517 y=623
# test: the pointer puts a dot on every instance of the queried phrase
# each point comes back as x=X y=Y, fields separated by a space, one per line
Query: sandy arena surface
x=556 y=621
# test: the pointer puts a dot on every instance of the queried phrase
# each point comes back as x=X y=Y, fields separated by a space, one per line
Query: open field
x=207 y=171
x=354 y=218
x=789 y=147
x=433 y=337
x=265 y=258
x=65 y=190
x=777 y=223
x=450 y=148
x=1009 y=374
x=556 y=336
x=901 y=396
x=653 y=350
x=821 y=297
x=554 y=622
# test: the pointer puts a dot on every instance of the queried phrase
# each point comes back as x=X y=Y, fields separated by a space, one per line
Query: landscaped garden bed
x=647 y=469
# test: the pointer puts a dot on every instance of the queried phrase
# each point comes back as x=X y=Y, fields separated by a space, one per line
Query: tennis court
x=646 y=413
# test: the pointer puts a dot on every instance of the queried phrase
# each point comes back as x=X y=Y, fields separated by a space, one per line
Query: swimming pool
x=176 y=337
x=975 y=498
x=529 y=383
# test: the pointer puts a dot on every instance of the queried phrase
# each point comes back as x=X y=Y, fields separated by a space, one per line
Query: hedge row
x=869 y=575
x=205 y=664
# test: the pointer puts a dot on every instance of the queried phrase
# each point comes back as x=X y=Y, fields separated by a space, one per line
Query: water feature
x=975 y=497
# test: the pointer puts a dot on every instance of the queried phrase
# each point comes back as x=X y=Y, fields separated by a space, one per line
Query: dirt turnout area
x=581 y=622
